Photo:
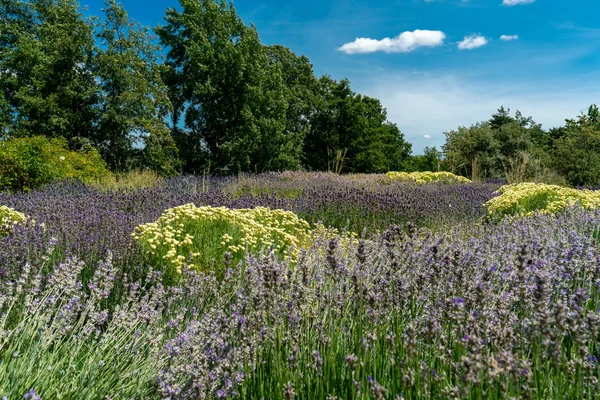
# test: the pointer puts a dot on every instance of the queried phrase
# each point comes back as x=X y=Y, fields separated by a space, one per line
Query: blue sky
x=437 y=64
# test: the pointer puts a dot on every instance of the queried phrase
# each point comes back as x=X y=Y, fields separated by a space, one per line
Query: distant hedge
x=27 y=163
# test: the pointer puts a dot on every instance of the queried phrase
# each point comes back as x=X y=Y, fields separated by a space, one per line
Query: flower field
x=299 y=286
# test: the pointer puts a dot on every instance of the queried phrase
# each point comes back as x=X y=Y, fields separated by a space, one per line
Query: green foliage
x=233 y=103
x=64 y=76
x=505 y=147
x=134 y=99
x=235 y=96
x=354 y=126
x=27 y=163
x=577 y=150
x=470 y=151
x=431 y=160
x=47 y=86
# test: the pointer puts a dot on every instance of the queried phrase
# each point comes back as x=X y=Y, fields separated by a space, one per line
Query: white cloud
x=403 y=43
x=508 y=38
x=426 y=136
x=441 y=103
x=516 y=2
x=472 y=42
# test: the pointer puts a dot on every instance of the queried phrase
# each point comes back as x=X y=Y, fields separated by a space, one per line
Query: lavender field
x=413 y=296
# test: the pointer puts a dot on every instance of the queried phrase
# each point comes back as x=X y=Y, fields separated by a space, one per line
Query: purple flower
x=32 y=395
x=458 y=301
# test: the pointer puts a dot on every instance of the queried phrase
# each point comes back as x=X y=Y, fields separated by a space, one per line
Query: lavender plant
x=58 y=340
x=475 y=310
x=87 y=221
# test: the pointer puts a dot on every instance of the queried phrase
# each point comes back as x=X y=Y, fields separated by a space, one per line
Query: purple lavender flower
x=32 y=395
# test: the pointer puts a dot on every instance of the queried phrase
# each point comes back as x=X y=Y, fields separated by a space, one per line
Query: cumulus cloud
x=508 y=38
x=516 y=2
x=426 y=136
x=403 y=43
x=472 y=42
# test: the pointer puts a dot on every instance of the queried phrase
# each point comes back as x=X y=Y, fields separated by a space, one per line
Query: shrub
x=27 y=163
x=200 y=236
x=8 y=218
x=426 y=177
x=525 y=199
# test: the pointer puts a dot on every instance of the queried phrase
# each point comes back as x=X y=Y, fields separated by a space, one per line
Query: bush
x=28 y=163
x=8 y=218
x=525 y=199
x=426 y=177
x=200 y=236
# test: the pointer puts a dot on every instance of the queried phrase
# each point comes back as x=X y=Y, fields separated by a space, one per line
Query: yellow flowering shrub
x=8 y=218
x=200 y=236
x=525 y=199
x=426 y=177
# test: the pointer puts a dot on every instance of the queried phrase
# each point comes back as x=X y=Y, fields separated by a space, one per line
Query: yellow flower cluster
x=525 y=199
x=8 y=218
x=426 y=177
x=177 y=235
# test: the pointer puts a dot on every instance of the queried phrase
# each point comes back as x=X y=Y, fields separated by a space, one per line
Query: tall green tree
x=577 y=150
x=353 y=130
x=379 y=145
x=234 y=96
x=301 y=87
x=134 y=100
x=46 y=82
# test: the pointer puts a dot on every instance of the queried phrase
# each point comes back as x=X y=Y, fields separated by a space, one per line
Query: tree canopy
x=206 y=94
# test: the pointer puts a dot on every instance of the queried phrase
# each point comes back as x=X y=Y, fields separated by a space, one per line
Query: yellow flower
x=426 y=177
x=528 y=198
x=258 y=227
x=10 y=217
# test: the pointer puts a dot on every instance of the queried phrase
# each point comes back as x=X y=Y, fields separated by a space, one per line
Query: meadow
x=299 y=286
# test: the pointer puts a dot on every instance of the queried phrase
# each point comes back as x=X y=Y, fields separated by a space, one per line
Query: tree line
x=516 y=149
x=202 y=93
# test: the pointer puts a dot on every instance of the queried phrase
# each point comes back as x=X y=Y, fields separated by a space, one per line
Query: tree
x=379 y=145
x=134 y=100
x=353 y=127
x=46 y=81
x=234 y=96
x=501 y=118
x=472 y=151
x=506 y=147
x=577 y=151
x=431 y=160
x=301 y=90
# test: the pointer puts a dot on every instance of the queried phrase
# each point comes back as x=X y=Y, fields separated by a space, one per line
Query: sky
x=436 y=64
